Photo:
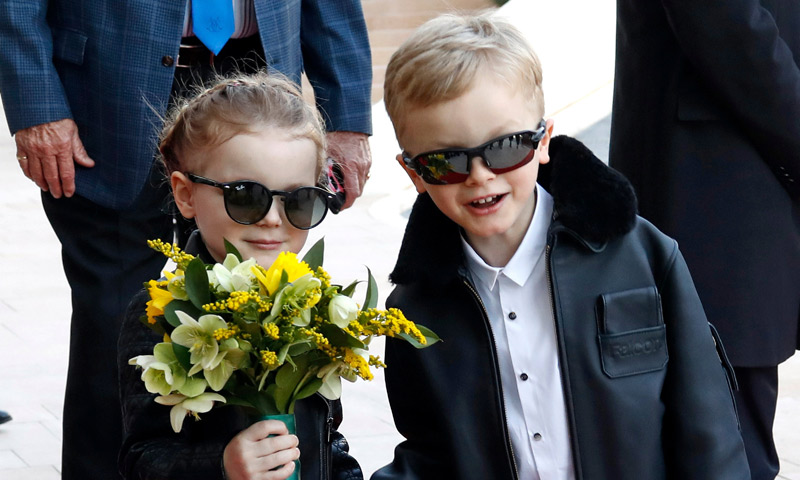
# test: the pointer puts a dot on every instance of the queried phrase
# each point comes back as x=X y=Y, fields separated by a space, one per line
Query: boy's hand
x=253 y=454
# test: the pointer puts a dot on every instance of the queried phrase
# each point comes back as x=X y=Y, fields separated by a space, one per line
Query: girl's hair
x=442 y=58
x=235 y=105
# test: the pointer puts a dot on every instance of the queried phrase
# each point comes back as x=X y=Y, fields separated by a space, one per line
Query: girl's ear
x=418 y=183
x=544 y=143
x=182 y=192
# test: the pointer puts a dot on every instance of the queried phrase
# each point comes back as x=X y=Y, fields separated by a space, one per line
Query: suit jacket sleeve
x=29 y=84
x=701 y=434
x=338 y=62
x=737 y=48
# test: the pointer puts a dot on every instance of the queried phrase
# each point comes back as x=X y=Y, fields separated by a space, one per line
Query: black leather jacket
x=646 y=390
x=151 y=450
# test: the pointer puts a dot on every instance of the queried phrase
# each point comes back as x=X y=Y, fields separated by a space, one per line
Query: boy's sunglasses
x=502 y=154
x=247 y=202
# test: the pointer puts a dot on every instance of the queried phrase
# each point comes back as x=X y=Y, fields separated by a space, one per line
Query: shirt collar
x=528 y=254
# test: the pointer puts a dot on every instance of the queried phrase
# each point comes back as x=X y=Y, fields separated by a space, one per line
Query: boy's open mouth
x=487 y=202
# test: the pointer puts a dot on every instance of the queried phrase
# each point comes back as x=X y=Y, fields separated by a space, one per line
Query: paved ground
x=34 y=298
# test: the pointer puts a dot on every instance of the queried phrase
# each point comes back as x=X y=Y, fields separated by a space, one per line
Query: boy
x=574 y=344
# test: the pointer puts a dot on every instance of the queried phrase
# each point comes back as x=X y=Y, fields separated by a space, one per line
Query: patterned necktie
x=212 y=22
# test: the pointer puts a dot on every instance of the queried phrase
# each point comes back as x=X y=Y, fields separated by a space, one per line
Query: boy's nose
x=479 y=172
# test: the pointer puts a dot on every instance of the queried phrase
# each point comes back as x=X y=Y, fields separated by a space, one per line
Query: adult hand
x=47 y=154
x=253 y=454
x=350 y=150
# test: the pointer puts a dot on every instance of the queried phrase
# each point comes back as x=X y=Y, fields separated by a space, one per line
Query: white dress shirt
x=244 y=18
x=519 y=307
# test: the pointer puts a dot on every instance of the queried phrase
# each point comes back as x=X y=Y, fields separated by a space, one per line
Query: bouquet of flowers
x=262 y=338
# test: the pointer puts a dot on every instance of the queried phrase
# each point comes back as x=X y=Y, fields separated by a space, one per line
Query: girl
x=244 y=158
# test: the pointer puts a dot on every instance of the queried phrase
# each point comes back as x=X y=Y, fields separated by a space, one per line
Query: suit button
x=512 y=315
x=537 y=436
x=167 y=60
x=523 y=377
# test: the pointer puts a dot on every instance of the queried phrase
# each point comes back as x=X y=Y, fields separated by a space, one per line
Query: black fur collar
x=591 y=200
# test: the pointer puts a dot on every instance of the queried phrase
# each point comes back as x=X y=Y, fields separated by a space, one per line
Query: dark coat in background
x=706 y=125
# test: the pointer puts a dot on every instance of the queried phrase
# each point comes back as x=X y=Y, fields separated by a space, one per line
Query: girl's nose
x=274 y=217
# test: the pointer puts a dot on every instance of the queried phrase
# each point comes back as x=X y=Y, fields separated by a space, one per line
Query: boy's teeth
x=486 y=201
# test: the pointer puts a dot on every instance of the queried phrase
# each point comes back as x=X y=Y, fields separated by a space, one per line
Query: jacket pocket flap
x=634 y=352
x=69 y=45
x=629 y=310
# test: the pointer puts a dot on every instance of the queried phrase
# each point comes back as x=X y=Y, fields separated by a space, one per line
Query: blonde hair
x=235 y=105
x=443 y=56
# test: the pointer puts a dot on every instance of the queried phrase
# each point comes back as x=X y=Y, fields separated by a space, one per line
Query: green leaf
x=315 y=254
x=234 y=400
x=230 y=248
x=426 y=332
x=350 y=289
x=286 y=382
x=308 y=389
x=340 y=338
x=157 y=327
x=183 y=356
x=288 y=376
x=185 y=307
x=197 y=283
x=371 y=298
x=300 y=348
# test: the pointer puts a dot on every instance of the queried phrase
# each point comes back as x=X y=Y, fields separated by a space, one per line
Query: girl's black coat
x=151 y=450
x=646 y=391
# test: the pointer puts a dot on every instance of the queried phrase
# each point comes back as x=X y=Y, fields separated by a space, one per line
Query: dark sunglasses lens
x=509 y=153
x=443 y=168
x=247 y=202
x=306 y=207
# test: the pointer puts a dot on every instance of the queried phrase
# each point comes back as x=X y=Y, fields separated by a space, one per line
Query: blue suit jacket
x=100 y=63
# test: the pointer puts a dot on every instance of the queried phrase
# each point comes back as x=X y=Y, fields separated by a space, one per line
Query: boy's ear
x=544 y=143
x=418 y=183
x=182 y=192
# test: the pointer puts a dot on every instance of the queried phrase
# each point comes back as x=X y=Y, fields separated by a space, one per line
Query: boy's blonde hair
x=442 y=58
x=235 y=105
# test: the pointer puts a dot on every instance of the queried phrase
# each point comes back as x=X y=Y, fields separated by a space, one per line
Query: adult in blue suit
x=83 y=83
x=706 y=124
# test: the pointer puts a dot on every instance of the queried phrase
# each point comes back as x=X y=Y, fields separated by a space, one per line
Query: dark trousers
x=756 y=401
x=106 y=260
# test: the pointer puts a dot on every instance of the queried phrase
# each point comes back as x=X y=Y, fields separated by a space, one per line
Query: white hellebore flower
x=342 y=310
x=233 y=275
x=331 y=380
x=162 y=373
x=198 y=337
x=183 y=405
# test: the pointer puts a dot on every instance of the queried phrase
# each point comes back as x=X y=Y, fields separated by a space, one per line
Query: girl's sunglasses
x=247 y=202
x=502 y=154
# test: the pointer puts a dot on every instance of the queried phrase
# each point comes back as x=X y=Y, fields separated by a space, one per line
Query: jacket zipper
x=563 y=362
x=325 y=452
x=497 y=372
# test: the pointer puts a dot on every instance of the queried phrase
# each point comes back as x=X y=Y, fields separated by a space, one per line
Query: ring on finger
x=22 y=157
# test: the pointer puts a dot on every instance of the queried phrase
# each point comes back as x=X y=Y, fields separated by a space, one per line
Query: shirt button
x=512 y=315
x=537 y=436
x=524 y=376
x=167 y=60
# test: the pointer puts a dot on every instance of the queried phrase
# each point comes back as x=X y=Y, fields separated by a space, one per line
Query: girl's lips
x=265 y=244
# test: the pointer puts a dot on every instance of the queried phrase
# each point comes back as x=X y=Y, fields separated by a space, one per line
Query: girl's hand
x=253 y=454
